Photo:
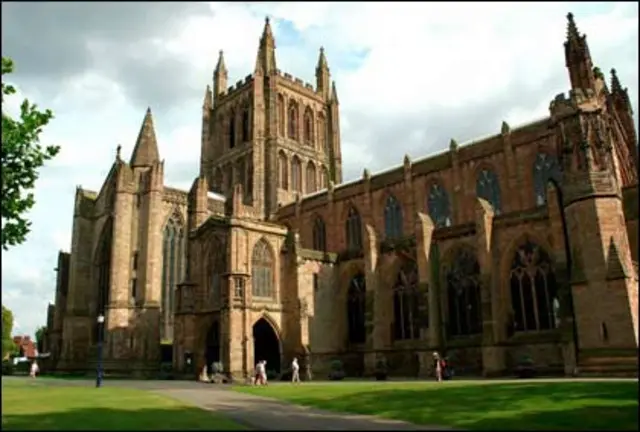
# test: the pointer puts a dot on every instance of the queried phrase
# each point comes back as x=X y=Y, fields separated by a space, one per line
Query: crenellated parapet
x=240 y=87
x=297 y=85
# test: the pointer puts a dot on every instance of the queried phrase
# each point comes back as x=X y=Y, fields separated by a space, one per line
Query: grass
x=30 y=405
x=481 y=405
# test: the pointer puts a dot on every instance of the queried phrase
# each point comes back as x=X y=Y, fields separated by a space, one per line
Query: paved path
x=268 y=414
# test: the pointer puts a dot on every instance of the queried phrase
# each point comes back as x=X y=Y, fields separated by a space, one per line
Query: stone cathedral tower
x=271 y=133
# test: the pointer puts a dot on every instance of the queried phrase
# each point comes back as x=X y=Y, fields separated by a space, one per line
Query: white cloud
x=414 y=74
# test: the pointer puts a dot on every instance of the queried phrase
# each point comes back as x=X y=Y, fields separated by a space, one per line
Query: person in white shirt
x=295 y=371
x=258 y=376
x=34 y=369
x=263 y=372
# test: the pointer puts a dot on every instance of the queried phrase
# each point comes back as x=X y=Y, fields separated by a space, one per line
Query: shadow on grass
x=115 y=419
x=559 y=405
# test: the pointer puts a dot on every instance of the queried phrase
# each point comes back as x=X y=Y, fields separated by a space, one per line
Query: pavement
x=264 y=413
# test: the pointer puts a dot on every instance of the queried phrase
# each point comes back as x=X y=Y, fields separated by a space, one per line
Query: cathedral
x=519 y=247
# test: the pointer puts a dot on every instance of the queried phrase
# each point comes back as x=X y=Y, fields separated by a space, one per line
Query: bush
x=525 y=367
x=7 y=367
x=337 y=371
x=22 y=368
x=381 y=369
x=166 y=371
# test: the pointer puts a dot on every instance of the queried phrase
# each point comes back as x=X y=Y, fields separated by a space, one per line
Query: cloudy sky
x=411 y=76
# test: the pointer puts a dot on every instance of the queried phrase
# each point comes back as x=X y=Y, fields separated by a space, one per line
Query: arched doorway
x=212 y=350
x=266 y=345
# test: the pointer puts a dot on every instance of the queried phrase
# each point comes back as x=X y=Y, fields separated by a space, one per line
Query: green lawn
x=480 y=405
x=30 y=405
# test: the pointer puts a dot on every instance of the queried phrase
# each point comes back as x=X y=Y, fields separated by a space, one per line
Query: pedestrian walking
x=295 y=371
x=34 y=369
x=437 y=366
x=263 y=372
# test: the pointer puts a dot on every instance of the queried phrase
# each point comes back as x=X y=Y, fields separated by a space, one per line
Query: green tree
x=8 y=347
x=22 y=157
x=40 y=334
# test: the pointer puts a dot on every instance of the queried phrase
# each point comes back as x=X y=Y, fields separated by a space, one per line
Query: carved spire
x=266 y=59
x=323 y=76
x=615 y=82
x=572 y=29
x=208 y=99
x=220 y=76
x=145 y=152
x=618 y=91
x=322 y=61
x=334 y=93
x=578 y=58
x=221 y=67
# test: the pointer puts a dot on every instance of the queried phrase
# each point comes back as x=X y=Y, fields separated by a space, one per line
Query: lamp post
x=99 y=367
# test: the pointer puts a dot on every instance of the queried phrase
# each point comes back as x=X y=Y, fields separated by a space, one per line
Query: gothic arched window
x=311 y=177
x=319 y=235
x=356 y=297
x=249 y=188
x=281 y=116
x=534 y=295
x=463 y=295
x=221 y=129
x=546 y=167
x=245 y=125
x=232 y=129
x=488 y=188
x=308 y=127
x=228 y=178
x=392 y=218
x=283 y=171
x=103 y=261
x=217 y=180
x=242 y=174
x=322 y=133
x=354 y=230
x=293 y=120
x=439 y=206
x=217 y=261
x=406 y=303
x=324 y=177
x=172 y=268
x=296 y=174
x=262 y=265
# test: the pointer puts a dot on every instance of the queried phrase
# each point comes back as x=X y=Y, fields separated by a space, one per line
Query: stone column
x=493 y=357
x=371 y=281
x=429 y=316
x=117 y=314
x=458 y=192
x=561 y=272
x=511 y=168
